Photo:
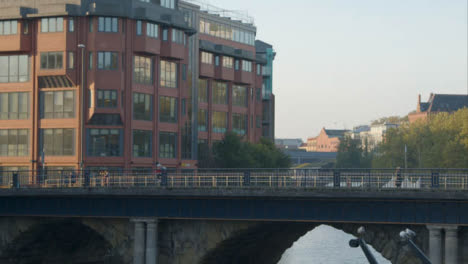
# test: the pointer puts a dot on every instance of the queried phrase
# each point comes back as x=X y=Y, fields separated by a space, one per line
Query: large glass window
x=206 y=57
x=139 y=26
x=152 y=30
x=167 y=109
x=202 y=120
x=51 y=60
x=142 y=140
x=239 y=95
x=142 y=70
x=14 y=106
x=220 y=93
x=14 y=68
x=71 y=60
x=106 y=98
x=58 y=142
x=168 y=3
x=59 y=104
x=178 y=36
x=226 y=31
x=247 y=66
x=142 y=106
x=108 y=24
x=105 y=142
x=228 y=62
x=167 y=145
x=8 y=27
x=52 y=24
x=239 y=124
x=202 y=91
x=71 y=24
x=168 y=74
x=14 y=142
x=220 y=122
x=108 y=60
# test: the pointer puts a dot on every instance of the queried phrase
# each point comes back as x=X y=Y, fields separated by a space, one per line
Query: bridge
x=246 y=203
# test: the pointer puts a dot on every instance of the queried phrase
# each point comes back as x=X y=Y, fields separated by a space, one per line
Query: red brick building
x=154 y=86
x=327 y=141
x=438 y=103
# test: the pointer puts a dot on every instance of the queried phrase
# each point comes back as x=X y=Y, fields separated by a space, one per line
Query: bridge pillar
x=435 y=244
x=139 y=242
x=451 y=245
x=151 y=241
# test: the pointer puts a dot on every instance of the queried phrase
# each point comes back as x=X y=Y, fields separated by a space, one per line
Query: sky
x=343 y=63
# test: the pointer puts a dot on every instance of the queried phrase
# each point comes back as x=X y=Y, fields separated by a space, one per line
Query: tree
x=352 y=155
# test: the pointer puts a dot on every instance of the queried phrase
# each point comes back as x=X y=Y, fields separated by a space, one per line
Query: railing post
x=336 y=178
x=164 y=179
x=15 y=180
x=246 y=178
x=435 y=179
x=86 y=179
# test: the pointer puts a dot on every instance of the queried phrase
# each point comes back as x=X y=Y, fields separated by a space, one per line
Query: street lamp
x=82 y=47
x=360 y=242
x=407 y=236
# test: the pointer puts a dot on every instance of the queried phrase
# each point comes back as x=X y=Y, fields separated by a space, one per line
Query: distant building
x=327 y=141
x=288 y=143
x=375 y=135
x=356 y=132
x=438 y=103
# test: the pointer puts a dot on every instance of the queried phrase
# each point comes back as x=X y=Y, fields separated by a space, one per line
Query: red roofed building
x=438 y=103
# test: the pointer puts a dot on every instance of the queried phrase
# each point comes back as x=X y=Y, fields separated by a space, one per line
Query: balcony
x=224 y=73
x=173 y=50
x=18 y=42
x=147 y=45
x=243 y=77
x=207 y=70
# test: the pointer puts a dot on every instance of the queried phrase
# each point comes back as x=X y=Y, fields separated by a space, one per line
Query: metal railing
x=364 y=179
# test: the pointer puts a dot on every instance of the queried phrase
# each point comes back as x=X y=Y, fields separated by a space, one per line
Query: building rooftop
x=336 y=132
x=234 y=15
x=445 y=103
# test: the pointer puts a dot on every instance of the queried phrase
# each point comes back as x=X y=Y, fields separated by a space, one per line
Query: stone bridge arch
x=266 y=242
x=40 y=240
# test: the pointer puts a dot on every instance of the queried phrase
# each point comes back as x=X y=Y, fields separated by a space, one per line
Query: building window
x=71 y=60
x=228 y=62
x=202 y=120
x=152 y=30
x=52 y=24
x=71 y=24
x=247 y=66
x=14 y=142
x=216 y=60
x=58 y=142
x=259 y=69
x=226 y=31
x=90 y=24
x=90 y=60
x=167 y=109
x=14 y=106
x=25 y=27
x=142 y=106
x=14 y=68
x=165 y=34
x=239 y=95
x=168 y=3
x=178 y=36
x=258 y=94
x=138 y=27
x=105 y=142
x=220 y=122
x=108 y=24
x=108 y=60
x=202 y=91
x=142 y=141
x=236 y=65
x=8 y=27
x=206 y=57
x=220 y=93
x=239 y=124
x=106 y=98
x=51 y=60
x=168 y=74
x=60 y=104
x=167 y=145
x=258 y=121
x=142 y=70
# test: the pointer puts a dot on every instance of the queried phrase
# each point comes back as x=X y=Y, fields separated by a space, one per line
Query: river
x=326 y=245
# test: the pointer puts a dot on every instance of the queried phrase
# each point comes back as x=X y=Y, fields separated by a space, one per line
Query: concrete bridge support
x=145 y=247
x=438 y=253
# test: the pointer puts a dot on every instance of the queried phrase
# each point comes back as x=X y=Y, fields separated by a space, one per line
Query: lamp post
x=360 y=242
x=82 y=47
x=407 y=236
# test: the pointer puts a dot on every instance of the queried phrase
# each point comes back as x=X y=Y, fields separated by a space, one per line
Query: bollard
x=246 y=178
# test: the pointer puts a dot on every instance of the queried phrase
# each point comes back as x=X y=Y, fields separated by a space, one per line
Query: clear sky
x=341 y=63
